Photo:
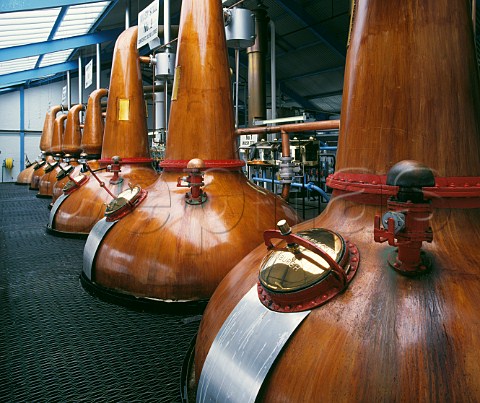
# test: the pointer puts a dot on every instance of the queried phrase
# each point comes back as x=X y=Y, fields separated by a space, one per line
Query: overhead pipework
x=207 y=214
x=164 y=68
x=403 y=216
x=288 y=169
x=84 y=201
x=257 y=56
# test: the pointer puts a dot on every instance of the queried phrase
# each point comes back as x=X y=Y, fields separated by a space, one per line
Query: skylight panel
x=45 y=15
x=55 y=57
x=27 y=27
x=79 y=19
x=12 y=66
x=24 y=27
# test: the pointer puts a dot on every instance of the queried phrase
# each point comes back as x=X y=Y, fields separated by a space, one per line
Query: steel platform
x=57 y=342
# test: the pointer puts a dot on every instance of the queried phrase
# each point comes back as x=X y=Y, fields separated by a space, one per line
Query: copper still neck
x=201 y=121
x=418 y=102
x=92 y=137
x=73 y=135
x=47 y=132
x=58 y=132
x=126 y=124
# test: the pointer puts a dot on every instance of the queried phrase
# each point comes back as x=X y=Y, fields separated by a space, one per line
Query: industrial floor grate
x=57 y=342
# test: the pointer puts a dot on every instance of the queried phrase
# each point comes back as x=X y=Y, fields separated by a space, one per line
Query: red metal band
x=182 y=164
x=448 y=192
x=124 y=161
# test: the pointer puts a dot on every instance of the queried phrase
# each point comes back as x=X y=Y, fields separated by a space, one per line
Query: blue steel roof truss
x=50 y=45
x=59 y=20
x=9 y=6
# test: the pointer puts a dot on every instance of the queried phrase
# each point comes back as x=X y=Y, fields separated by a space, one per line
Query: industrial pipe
x=99 y=67
x=294 y=127
x=166 y=22
x=69 y=91
x=237 y=76
x=273 y=71
x=328 y=148
x=256 y=69
x=474 y=17
x=127 y=14
x=309 y=186
x=284 y=129
x=285 y=154
x=80 y=80
x=146 y=60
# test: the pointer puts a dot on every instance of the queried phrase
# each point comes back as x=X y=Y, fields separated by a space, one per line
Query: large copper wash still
x=404 y=217
x=125 y=157
x=45 y=144
x=47 y=181
x=202 y=215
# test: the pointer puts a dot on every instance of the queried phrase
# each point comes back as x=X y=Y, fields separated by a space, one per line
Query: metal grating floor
x=57 y=342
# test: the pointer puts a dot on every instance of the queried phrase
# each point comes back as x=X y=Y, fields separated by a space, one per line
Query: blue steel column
x=22 y=128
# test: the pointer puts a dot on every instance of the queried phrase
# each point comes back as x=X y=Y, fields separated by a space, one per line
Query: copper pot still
x=25 y=177
x=202 y=215
x=71 y=149
x=47 y=181
x=404 y=328
x=125 y=157
x=45 y=145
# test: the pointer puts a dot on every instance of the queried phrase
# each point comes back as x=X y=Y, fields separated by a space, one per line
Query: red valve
x=382 y=235
x=114 y=167
x=407 y=223
x=194 y=181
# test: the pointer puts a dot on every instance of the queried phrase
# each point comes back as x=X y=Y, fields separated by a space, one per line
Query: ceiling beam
x=304 y=103
x=298 y=12
x=54 y=30
x=41 y=48
x=325 y=95
x=33 y=74
x=10 y=6
x=313 y=73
